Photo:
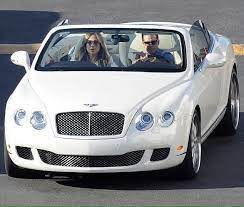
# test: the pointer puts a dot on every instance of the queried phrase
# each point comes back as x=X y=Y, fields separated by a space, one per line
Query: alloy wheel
x=195 y=144
x=235 y=101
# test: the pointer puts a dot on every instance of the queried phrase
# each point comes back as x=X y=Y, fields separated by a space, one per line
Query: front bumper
x=144 y=164
x=68 y=149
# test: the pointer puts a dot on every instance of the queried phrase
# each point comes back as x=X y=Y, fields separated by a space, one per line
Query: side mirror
x=21 y=58
x=215 y=60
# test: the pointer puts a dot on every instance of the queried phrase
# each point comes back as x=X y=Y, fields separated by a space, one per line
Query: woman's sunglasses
x=153 y=42
x=93 y=43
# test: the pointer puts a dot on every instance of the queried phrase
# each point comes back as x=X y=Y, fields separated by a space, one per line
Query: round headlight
x=38 y=120
x=166 y=119
x=20 y=117
x=144 y=121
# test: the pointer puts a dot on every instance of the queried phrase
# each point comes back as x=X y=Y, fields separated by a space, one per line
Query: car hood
x=104 y=91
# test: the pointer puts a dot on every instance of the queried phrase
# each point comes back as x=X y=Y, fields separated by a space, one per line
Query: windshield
x=113 y=50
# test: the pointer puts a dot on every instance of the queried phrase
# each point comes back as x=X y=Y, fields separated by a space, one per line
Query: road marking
x=239 y=49
x=11 y=48
x=32 y=48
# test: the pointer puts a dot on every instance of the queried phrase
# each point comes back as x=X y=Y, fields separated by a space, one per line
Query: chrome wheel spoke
x=196 y=146
x=235 y=103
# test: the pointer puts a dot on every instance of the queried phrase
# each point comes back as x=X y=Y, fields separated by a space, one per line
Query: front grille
x=160 y=154
x=24 y=152
x=90 y=123
x=130 y=158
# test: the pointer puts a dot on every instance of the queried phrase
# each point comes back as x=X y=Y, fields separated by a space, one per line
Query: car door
x=208 y=78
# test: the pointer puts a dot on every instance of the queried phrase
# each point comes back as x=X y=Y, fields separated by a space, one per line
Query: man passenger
x=153 y=53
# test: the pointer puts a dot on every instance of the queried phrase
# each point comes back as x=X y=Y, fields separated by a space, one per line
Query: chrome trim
x=195 y=138
x=235 y=101
x=89 y=132
x=181 y=154
x=213 y=126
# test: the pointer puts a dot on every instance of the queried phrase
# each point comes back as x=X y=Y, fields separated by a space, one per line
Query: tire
x=192 y=162
x=229 y=124
x=11 y=169
x=14 y=171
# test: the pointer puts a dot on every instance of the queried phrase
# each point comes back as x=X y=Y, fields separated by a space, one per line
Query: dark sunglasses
x=90 y=42
x=153 y=42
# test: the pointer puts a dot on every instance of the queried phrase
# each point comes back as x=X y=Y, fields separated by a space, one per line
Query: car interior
x=122 y=52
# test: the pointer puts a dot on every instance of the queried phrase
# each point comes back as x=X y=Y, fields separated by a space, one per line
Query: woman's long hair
x=103 y=54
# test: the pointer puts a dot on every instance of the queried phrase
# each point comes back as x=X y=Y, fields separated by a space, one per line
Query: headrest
x=112 y=49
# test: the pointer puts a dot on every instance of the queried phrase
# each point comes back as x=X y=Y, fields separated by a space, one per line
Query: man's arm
x=169 y=57
x=166 y=56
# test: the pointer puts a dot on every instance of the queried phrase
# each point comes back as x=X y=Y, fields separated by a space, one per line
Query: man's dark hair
x=142 y=35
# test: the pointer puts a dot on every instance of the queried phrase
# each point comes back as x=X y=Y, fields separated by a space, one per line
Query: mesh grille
x=127 y=159
x=160 y=154
x=90 y=123
x=25 y=153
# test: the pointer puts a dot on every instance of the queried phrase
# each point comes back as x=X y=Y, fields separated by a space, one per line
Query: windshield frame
x=37 y=66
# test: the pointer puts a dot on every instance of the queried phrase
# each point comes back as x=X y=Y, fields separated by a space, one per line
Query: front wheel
x=14 y=171
x=191 y=164
x=11 y=169
x=228 y=125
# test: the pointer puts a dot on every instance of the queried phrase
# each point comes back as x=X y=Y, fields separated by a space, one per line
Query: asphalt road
x=221 y=180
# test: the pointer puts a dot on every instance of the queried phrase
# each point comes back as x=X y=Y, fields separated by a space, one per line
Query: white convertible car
x=130 y=109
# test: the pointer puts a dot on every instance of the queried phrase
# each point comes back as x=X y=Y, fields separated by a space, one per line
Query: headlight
x=144 y=121
x=38 y=120
x=20 y=117
x=166 y=119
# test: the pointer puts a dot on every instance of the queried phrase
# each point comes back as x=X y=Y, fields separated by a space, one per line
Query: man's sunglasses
x=92 y=43
x=153 y=42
